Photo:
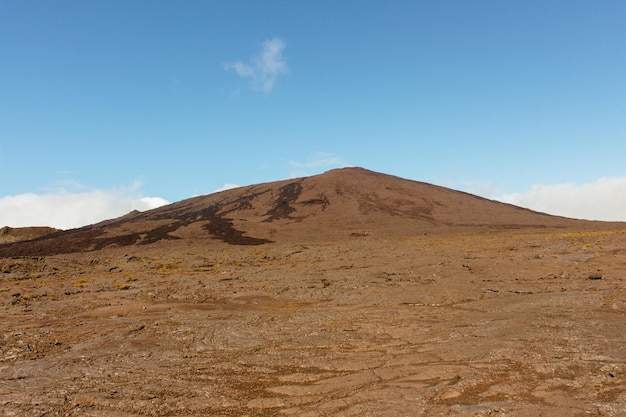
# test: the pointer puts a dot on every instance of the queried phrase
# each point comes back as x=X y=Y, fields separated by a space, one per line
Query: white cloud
x=264 y=67
x=227 y=186
x=482 y=188
x=241 y=69
x=66 y=210
x=316 y=162
x=151 y=202
x=320 y=159
x=604 y=199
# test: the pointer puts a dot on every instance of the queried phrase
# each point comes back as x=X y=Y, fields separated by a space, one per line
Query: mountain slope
x=16 y=234
x=334 y=205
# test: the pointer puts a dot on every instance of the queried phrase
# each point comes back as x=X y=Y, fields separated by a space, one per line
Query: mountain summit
x=338 y=204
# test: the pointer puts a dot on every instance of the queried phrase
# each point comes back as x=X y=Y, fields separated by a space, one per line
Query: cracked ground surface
x=515 y=323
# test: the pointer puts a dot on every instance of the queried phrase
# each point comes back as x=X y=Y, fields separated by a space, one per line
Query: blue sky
x=106 y=106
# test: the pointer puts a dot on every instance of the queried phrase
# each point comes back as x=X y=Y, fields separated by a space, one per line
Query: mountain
x=339 y=204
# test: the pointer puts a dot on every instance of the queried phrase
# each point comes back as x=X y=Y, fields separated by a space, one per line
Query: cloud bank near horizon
x=604 y=199
x=265 y=67
x=66 y=210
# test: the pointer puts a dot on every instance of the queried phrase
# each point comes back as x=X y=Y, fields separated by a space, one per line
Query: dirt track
x=495 y=324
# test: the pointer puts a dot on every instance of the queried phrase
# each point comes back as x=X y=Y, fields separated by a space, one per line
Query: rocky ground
x=512 y=323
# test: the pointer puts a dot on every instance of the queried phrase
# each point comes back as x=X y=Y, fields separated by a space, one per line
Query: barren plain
x=384 y=307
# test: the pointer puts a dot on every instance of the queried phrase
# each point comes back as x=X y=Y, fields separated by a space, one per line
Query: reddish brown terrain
x=11 y=234
x=350 y=293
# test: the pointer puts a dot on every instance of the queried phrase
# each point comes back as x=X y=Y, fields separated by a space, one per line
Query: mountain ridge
x=334 y=205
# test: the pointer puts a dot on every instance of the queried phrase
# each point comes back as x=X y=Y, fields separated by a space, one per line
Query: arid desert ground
x=348 y=294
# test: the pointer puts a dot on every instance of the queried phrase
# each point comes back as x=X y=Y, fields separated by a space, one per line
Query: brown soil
x=425 y=311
